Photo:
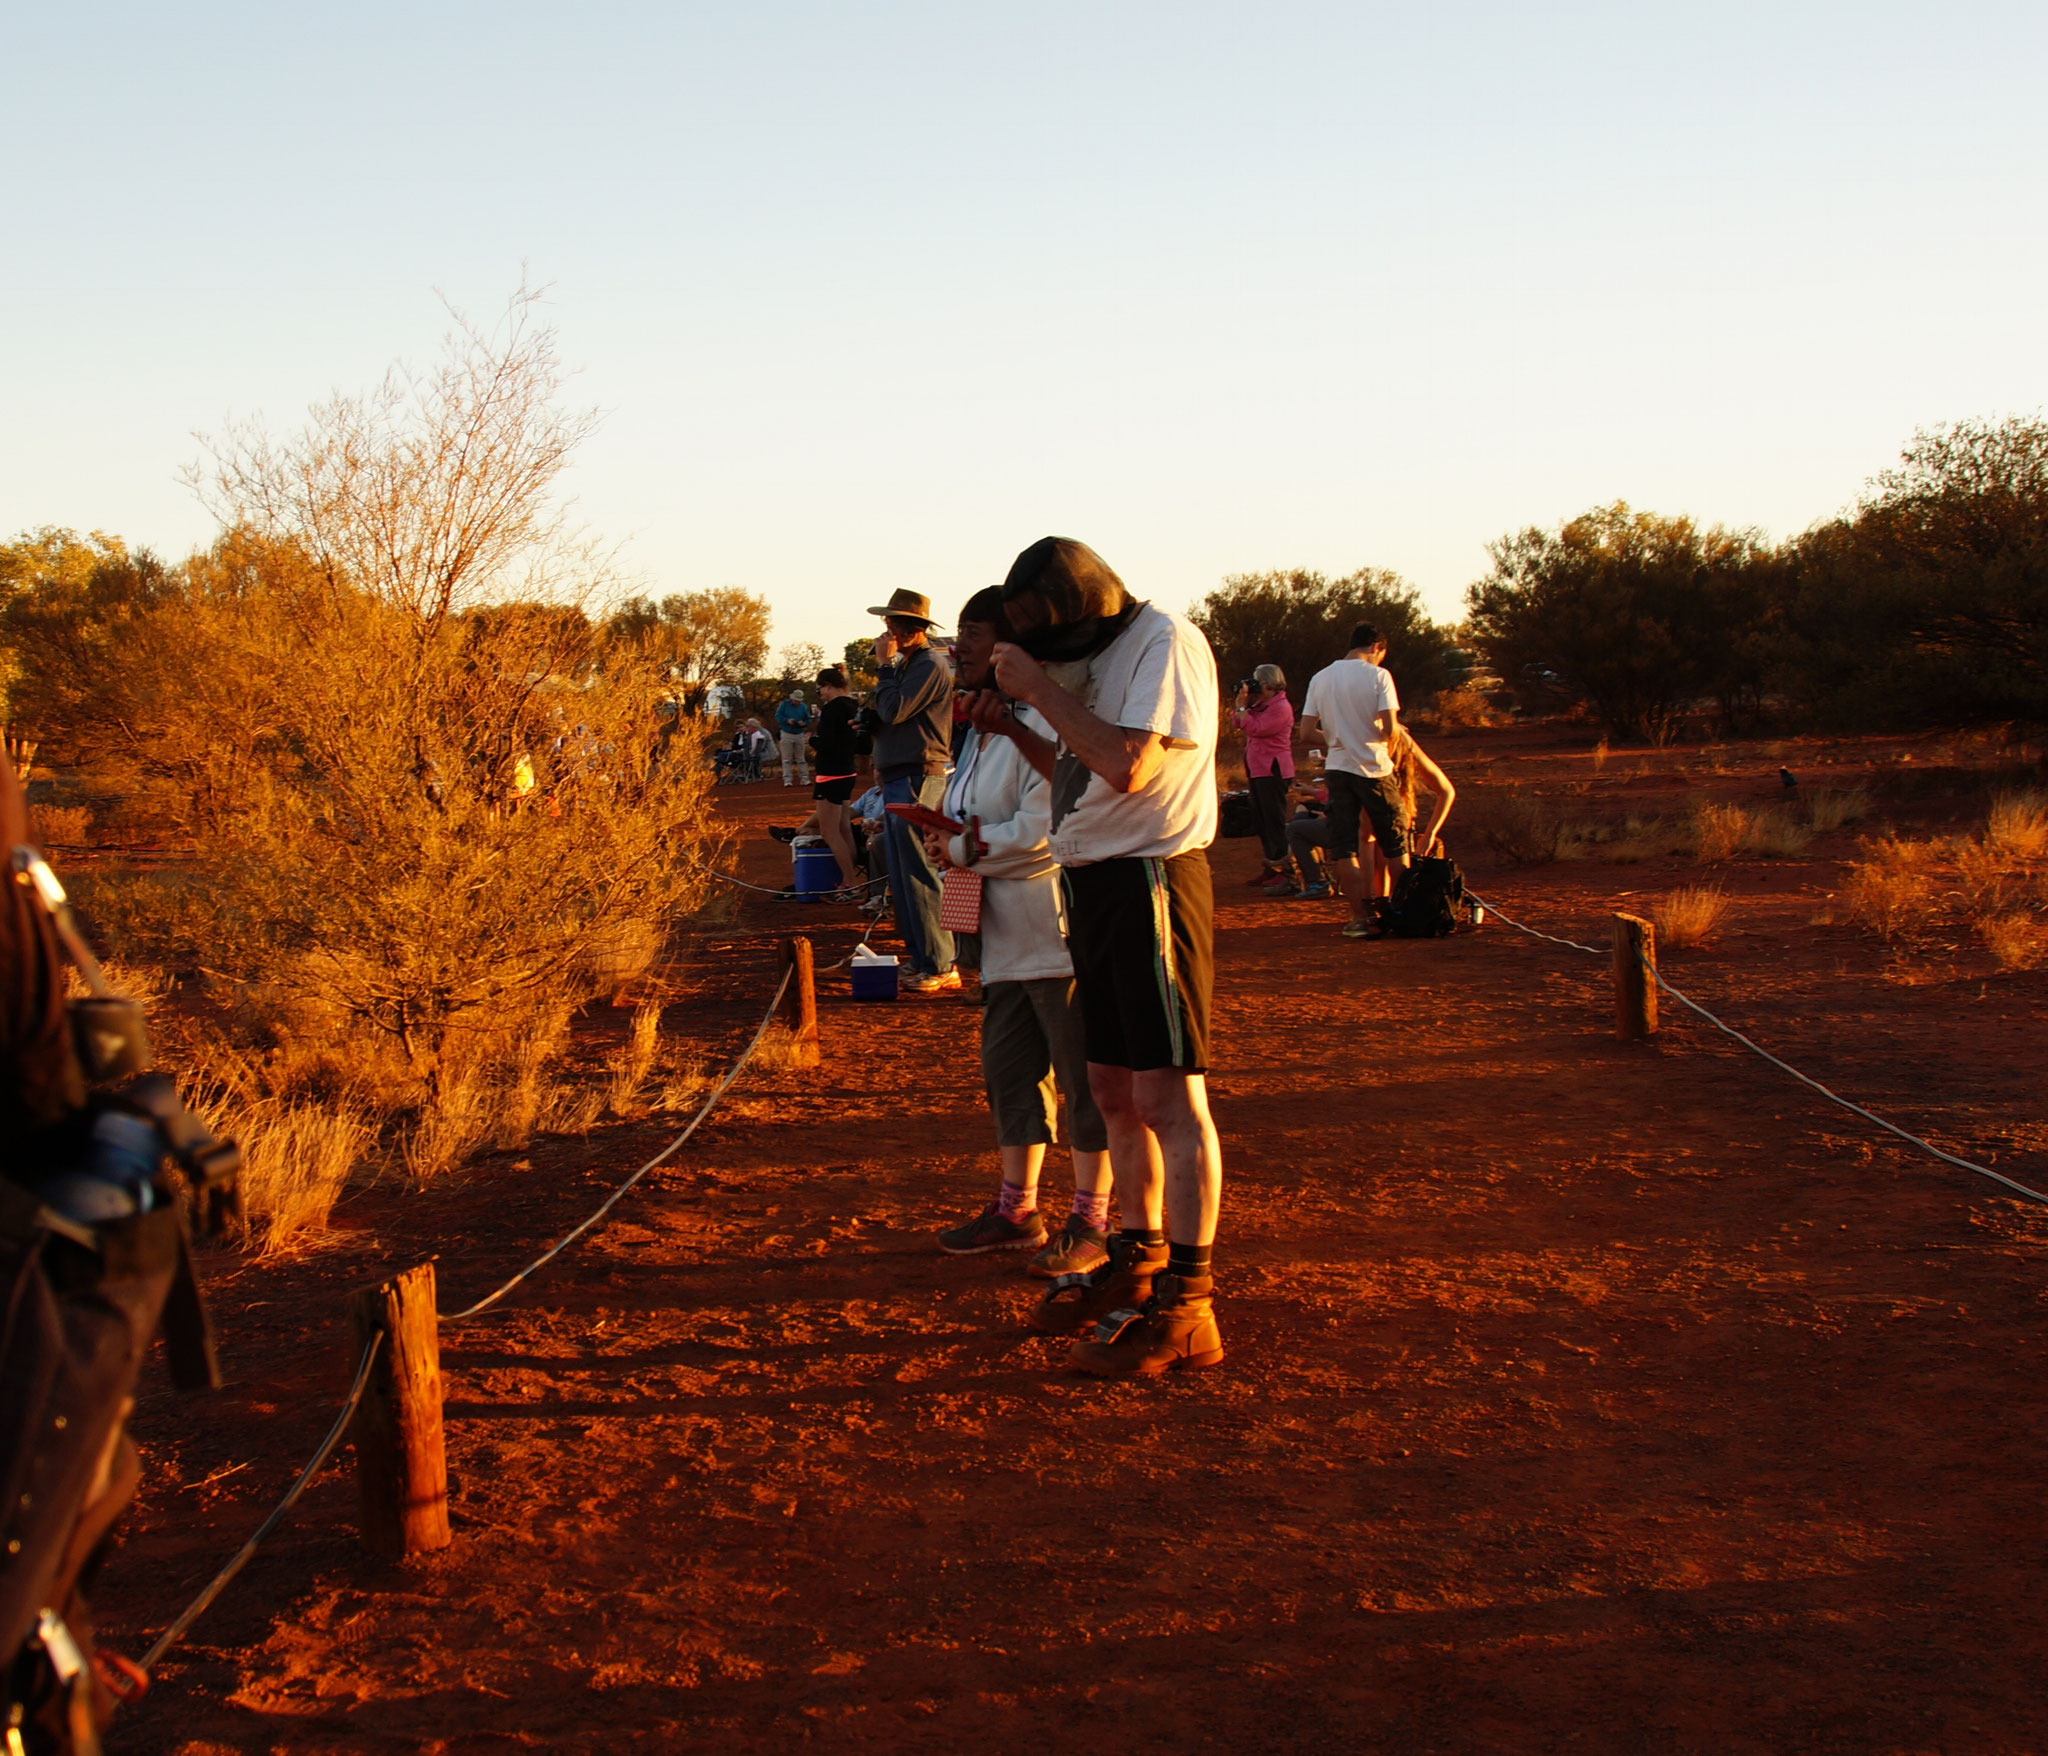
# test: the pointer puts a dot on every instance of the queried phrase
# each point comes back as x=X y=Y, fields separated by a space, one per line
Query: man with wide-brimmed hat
x=913 y=709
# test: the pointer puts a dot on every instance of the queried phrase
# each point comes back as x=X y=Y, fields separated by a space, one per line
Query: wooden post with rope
x=800 y=1002
x=1635 y=983
x=401 y=1463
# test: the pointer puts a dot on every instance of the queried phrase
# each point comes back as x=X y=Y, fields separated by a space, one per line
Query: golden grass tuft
x=1688 y=917
x=2018 y=826
x=62 y=826
x=643 y=1042
x=1717 y=832
x=2017 y=941
x=297 y=1158
x=1832 y=808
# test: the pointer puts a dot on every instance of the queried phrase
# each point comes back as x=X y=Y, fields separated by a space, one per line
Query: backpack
x=1425 y=902
x=1237 y=815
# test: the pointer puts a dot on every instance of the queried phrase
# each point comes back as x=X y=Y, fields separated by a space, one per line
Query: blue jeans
x=913 y=885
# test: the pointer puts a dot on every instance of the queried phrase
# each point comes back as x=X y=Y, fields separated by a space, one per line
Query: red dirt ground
x=1580 y=1395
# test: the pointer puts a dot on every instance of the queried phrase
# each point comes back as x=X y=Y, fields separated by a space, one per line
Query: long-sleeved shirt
x=1268 y=729
x=914 y=702
x=1023 y=930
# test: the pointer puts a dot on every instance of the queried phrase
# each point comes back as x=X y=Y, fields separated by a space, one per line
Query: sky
x=873 y=296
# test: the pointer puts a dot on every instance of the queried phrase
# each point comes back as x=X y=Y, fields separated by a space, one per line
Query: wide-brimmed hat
x=913 y=606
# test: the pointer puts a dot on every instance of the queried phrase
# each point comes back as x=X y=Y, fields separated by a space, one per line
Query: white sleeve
x=1167 y=687
x=1390 y=697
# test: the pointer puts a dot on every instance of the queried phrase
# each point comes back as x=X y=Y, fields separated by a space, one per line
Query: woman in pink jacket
x=1266 y=717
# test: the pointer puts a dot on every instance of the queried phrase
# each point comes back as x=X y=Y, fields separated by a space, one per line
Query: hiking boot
x=988 y=1230
x=1076 y=1248
x=1175 y=1327
x=945 y=982
x=1122 y=1277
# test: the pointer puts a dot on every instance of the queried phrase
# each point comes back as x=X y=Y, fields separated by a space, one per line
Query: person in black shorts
x=834 y=765
x=1130 y=690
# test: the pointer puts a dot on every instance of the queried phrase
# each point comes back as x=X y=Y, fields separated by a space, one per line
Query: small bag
x=960 y=900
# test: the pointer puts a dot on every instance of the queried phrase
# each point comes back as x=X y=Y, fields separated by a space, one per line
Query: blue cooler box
x=817 y=872
x=874 y=978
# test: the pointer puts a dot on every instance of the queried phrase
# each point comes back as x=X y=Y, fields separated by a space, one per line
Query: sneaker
x=1264 y=875
x=1283 y=887
x=1175 y=1327
x=988 y=1230
x=782 y=831
x=1360 y=930
x=1075 y=1248
x=1313 y=892
x=1123 y=1277
x=945 y=982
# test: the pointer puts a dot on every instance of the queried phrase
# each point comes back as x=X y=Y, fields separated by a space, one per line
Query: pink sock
x=1016 y=1204
x=1094 y=1209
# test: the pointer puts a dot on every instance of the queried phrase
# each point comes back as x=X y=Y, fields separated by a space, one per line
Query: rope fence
x=1686 y=1000
x=376 y=1342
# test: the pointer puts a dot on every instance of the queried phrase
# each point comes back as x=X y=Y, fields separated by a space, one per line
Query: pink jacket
x=1268 y=737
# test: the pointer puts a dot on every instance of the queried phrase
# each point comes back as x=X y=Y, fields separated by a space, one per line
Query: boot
x=1177 y=1328
x=1074 y=1301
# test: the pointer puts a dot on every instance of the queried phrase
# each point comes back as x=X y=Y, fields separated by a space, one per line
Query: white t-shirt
x=1346 y=699
x=1158 y=675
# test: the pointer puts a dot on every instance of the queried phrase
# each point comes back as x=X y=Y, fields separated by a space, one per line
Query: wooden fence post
x=800 y=1002
x=401 y=1464
x=1635 y=987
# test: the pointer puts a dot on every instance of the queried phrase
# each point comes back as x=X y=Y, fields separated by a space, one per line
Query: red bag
x=960 y=900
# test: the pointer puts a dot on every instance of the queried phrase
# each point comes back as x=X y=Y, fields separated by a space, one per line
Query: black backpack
x=1237 y=815
x=1425 y=902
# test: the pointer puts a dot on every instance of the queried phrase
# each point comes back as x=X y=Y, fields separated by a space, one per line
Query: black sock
x=1140 y=1235
x=1189 y=1261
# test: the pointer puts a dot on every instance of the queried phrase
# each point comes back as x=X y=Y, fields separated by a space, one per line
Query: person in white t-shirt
x=1130 y=692
x=1354 y=711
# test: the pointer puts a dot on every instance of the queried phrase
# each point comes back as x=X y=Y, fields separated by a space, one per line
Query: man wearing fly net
x=1130 y=691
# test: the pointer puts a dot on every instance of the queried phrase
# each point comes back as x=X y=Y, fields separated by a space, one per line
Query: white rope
x=1685 y=1000
x=667 y=1152
x=240 y=1559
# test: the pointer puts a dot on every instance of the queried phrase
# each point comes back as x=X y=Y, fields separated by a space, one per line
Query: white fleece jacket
x=1023 y=926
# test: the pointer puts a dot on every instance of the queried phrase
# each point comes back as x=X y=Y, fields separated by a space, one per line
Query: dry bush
x=1831 y=808
x=2018 y=941
x=1776 y=834
x=1521 y=827
x=1467 y=706
x=643 y=1043
x=1688 y=917
x=1888 y=892
x=2019 y=825
x=297 y=1158
x=62 y=826
x=684 y=1085
x=1718 y=832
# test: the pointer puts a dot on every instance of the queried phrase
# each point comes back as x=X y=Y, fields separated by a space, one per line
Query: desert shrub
x=1830 y=808
x=643 y=1043
x=297 y=1158
x=1522 y=827
x=1887 y=898
x=1776 y=834
x=1718 y=832
x=62 y=826
x=1468 y=706
x=2019 y=825
x=1688 y=916
x=2017 y=941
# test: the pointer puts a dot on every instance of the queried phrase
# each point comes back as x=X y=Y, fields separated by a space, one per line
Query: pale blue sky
x=877 y=295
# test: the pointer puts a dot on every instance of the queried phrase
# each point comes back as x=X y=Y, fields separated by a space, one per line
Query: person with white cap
x=913 y=709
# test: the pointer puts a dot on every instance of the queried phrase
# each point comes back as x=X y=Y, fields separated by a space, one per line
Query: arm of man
x=1311 y=730
x=912 y=687
x=1125 y=758
x=992 y=718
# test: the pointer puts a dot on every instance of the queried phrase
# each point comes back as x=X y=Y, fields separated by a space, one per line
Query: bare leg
x=1091 y=1171
x=836 y=824
x=1175 y=1109
x=1021 y=1165
x=1352 y=880
x=1133 y=1151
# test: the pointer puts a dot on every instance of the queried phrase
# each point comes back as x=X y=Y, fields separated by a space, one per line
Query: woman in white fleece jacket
x=1031 y=1039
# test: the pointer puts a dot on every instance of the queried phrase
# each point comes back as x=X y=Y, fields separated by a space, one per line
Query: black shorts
x=1353 y=796
x=834 y=792
x=1142 y=935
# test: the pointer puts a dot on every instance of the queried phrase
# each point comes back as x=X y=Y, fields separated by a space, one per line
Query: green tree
x=1929 y=604
x=1638 y=614
x=719 y=635
x=1302 y=621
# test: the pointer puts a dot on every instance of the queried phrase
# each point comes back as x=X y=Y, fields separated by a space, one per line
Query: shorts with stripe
x=1142 y=936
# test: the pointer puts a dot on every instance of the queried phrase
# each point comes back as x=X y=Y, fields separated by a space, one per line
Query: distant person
x=1266 y=717
x=1130 y=690
x=1308 y=835
x=793 y=718
x=913 y=711
x=831 y=796
x=1354 y=711
x=1033 y=1047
